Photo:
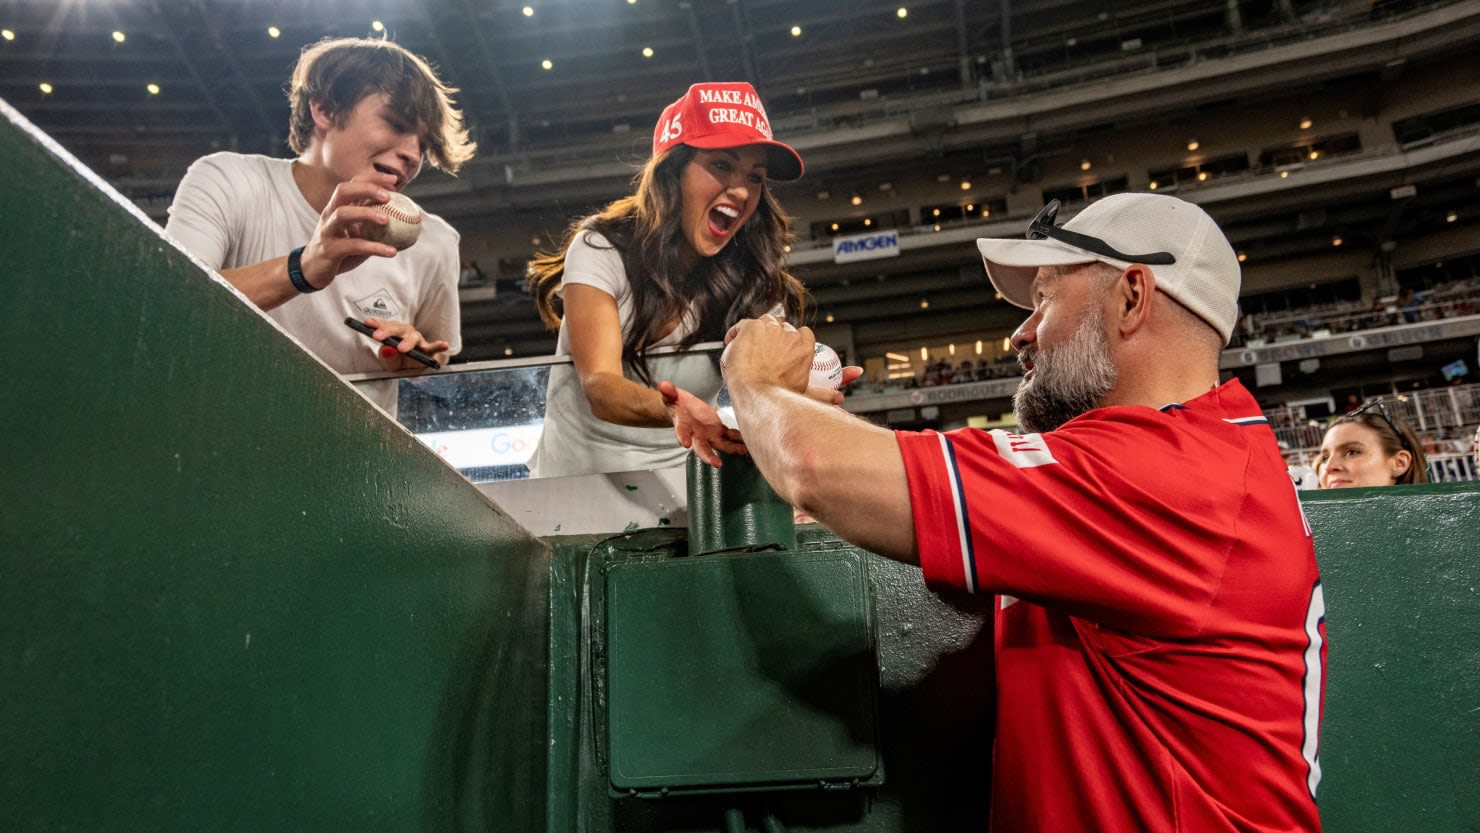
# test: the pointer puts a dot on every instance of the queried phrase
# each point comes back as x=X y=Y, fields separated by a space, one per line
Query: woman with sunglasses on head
x=1370 y=447
x=699 y=245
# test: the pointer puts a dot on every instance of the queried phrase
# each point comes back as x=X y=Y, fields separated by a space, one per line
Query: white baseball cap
x=1185 y=249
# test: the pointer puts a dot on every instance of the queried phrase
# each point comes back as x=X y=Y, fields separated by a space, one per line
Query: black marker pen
x=393 y=341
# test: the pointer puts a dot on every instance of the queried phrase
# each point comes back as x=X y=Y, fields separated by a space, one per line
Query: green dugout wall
x=1400 y=746
x=234 y=596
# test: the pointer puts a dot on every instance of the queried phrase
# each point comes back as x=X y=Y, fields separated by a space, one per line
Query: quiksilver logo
x=379 y=305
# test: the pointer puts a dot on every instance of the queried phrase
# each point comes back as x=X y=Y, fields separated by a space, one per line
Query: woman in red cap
x=699 y=245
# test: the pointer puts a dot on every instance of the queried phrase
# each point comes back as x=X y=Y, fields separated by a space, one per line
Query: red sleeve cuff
x=941 y=534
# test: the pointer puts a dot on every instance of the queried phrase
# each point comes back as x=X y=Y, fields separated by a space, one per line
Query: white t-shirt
x=234 y=210
x=574 y=441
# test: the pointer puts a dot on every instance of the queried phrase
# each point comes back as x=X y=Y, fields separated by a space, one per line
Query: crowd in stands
x=1445 y=300
x=942 y=372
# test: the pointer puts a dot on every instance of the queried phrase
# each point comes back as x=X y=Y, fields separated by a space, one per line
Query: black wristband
x=295 y=272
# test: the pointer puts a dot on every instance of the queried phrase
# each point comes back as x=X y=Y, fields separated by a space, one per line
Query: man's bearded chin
x=1068 y=380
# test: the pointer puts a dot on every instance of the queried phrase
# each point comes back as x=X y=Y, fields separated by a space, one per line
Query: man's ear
x=323 y=117
x=1133 y=293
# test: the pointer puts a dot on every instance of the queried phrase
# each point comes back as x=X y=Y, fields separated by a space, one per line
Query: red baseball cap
x=725 y=115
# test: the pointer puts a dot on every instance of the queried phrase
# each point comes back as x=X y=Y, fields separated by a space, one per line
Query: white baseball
x=827 y=368
x=403 y=222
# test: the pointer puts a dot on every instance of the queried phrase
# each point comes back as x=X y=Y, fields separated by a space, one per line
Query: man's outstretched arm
x=844 y=471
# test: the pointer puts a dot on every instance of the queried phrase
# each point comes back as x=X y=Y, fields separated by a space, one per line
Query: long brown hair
x=747 y=278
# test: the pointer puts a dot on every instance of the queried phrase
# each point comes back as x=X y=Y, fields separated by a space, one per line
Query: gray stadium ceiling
x=220 y=74
x=566 y=136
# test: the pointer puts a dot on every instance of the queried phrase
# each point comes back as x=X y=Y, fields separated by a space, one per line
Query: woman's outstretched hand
x=697 y=426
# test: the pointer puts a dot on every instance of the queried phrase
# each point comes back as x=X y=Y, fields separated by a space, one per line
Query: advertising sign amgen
x=866 y=246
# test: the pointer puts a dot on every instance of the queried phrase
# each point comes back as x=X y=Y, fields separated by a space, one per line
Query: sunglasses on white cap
x=1043 y=226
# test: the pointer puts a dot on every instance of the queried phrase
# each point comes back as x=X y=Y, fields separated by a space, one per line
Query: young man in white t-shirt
x=289 y=234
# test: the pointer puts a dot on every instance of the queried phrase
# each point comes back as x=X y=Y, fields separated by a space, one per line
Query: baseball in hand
x=827 y=368
x=403 y=224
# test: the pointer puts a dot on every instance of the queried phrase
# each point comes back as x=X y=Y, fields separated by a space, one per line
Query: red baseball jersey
x=1160 y=636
